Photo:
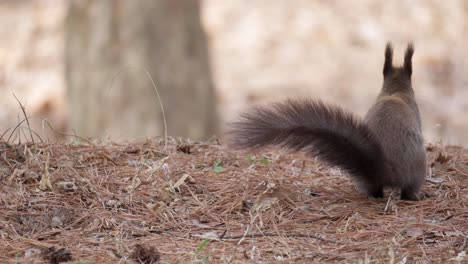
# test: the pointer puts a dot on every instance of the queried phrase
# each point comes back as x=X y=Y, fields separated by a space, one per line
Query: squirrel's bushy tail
x=328 y=132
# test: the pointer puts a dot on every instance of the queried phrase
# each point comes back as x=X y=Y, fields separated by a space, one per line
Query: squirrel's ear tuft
x=407 y=65
x=388 y=64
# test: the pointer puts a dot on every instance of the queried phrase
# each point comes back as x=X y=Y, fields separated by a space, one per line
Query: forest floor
x=91 y=202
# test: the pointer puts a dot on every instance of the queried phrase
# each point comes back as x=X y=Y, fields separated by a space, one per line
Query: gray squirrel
x=385 y=149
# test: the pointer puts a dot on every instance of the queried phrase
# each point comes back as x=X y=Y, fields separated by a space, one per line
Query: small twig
x=465 y=241
x=45 y=183
x=223 y=234
x=3 y=134
x=36 y=134
x=388 y=202
x=106 y=156
x=274 y=234
x=242 y=237
x=162 y=108
x=456 y=169
x=18 y=133
x=31 y=131
x=37 y=243
x=25 y=116
x=14 y=129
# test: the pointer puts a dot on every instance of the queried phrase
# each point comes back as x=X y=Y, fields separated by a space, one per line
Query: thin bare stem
x=159 y=99
x=25 y=116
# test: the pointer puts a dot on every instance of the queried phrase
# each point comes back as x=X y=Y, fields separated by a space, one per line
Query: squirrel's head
x=397 y=79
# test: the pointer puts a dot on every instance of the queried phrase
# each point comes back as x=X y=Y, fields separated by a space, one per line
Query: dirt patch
x=55 y=256
x=145 y=254
x=194 y=202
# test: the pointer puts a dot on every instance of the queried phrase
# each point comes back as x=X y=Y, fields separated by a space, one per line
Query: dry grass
x=111 y=203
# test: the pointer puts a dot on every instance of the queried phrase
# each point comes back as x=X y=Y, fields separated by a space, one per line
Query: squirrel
x=383 y=149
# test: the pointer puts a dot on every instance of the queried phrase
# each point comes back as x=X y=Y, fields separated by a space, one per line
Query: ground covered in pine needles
x=202 y=203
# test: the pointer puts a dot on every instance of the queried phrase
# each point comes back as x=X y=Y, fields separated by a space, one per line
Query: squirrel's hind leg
x=409 y=193
x=375 y=191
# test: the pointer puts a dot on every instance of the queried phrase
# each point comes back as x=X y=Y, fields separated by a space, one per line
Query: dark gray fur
x=385 y=149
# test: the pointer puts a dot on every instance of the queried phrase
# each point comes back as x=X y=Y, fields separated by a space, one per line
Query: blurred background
x=83 y=66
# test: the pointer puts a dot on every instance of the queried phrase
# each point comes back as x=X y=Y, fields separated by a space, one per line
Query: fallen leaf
x=414 y=232
x=209 y=235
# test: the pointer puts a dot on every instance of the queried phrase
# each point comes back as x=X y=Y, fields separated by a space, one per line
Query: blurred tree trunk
x=110 y=43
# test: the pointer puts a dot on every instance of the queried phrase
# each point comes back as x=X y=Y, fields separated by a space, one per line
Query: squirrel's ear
x=407 y=65
x=388 y=64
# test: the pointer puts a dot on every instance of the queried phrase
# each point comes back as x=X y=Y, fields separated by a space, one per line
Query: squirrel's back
x=395 y=121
